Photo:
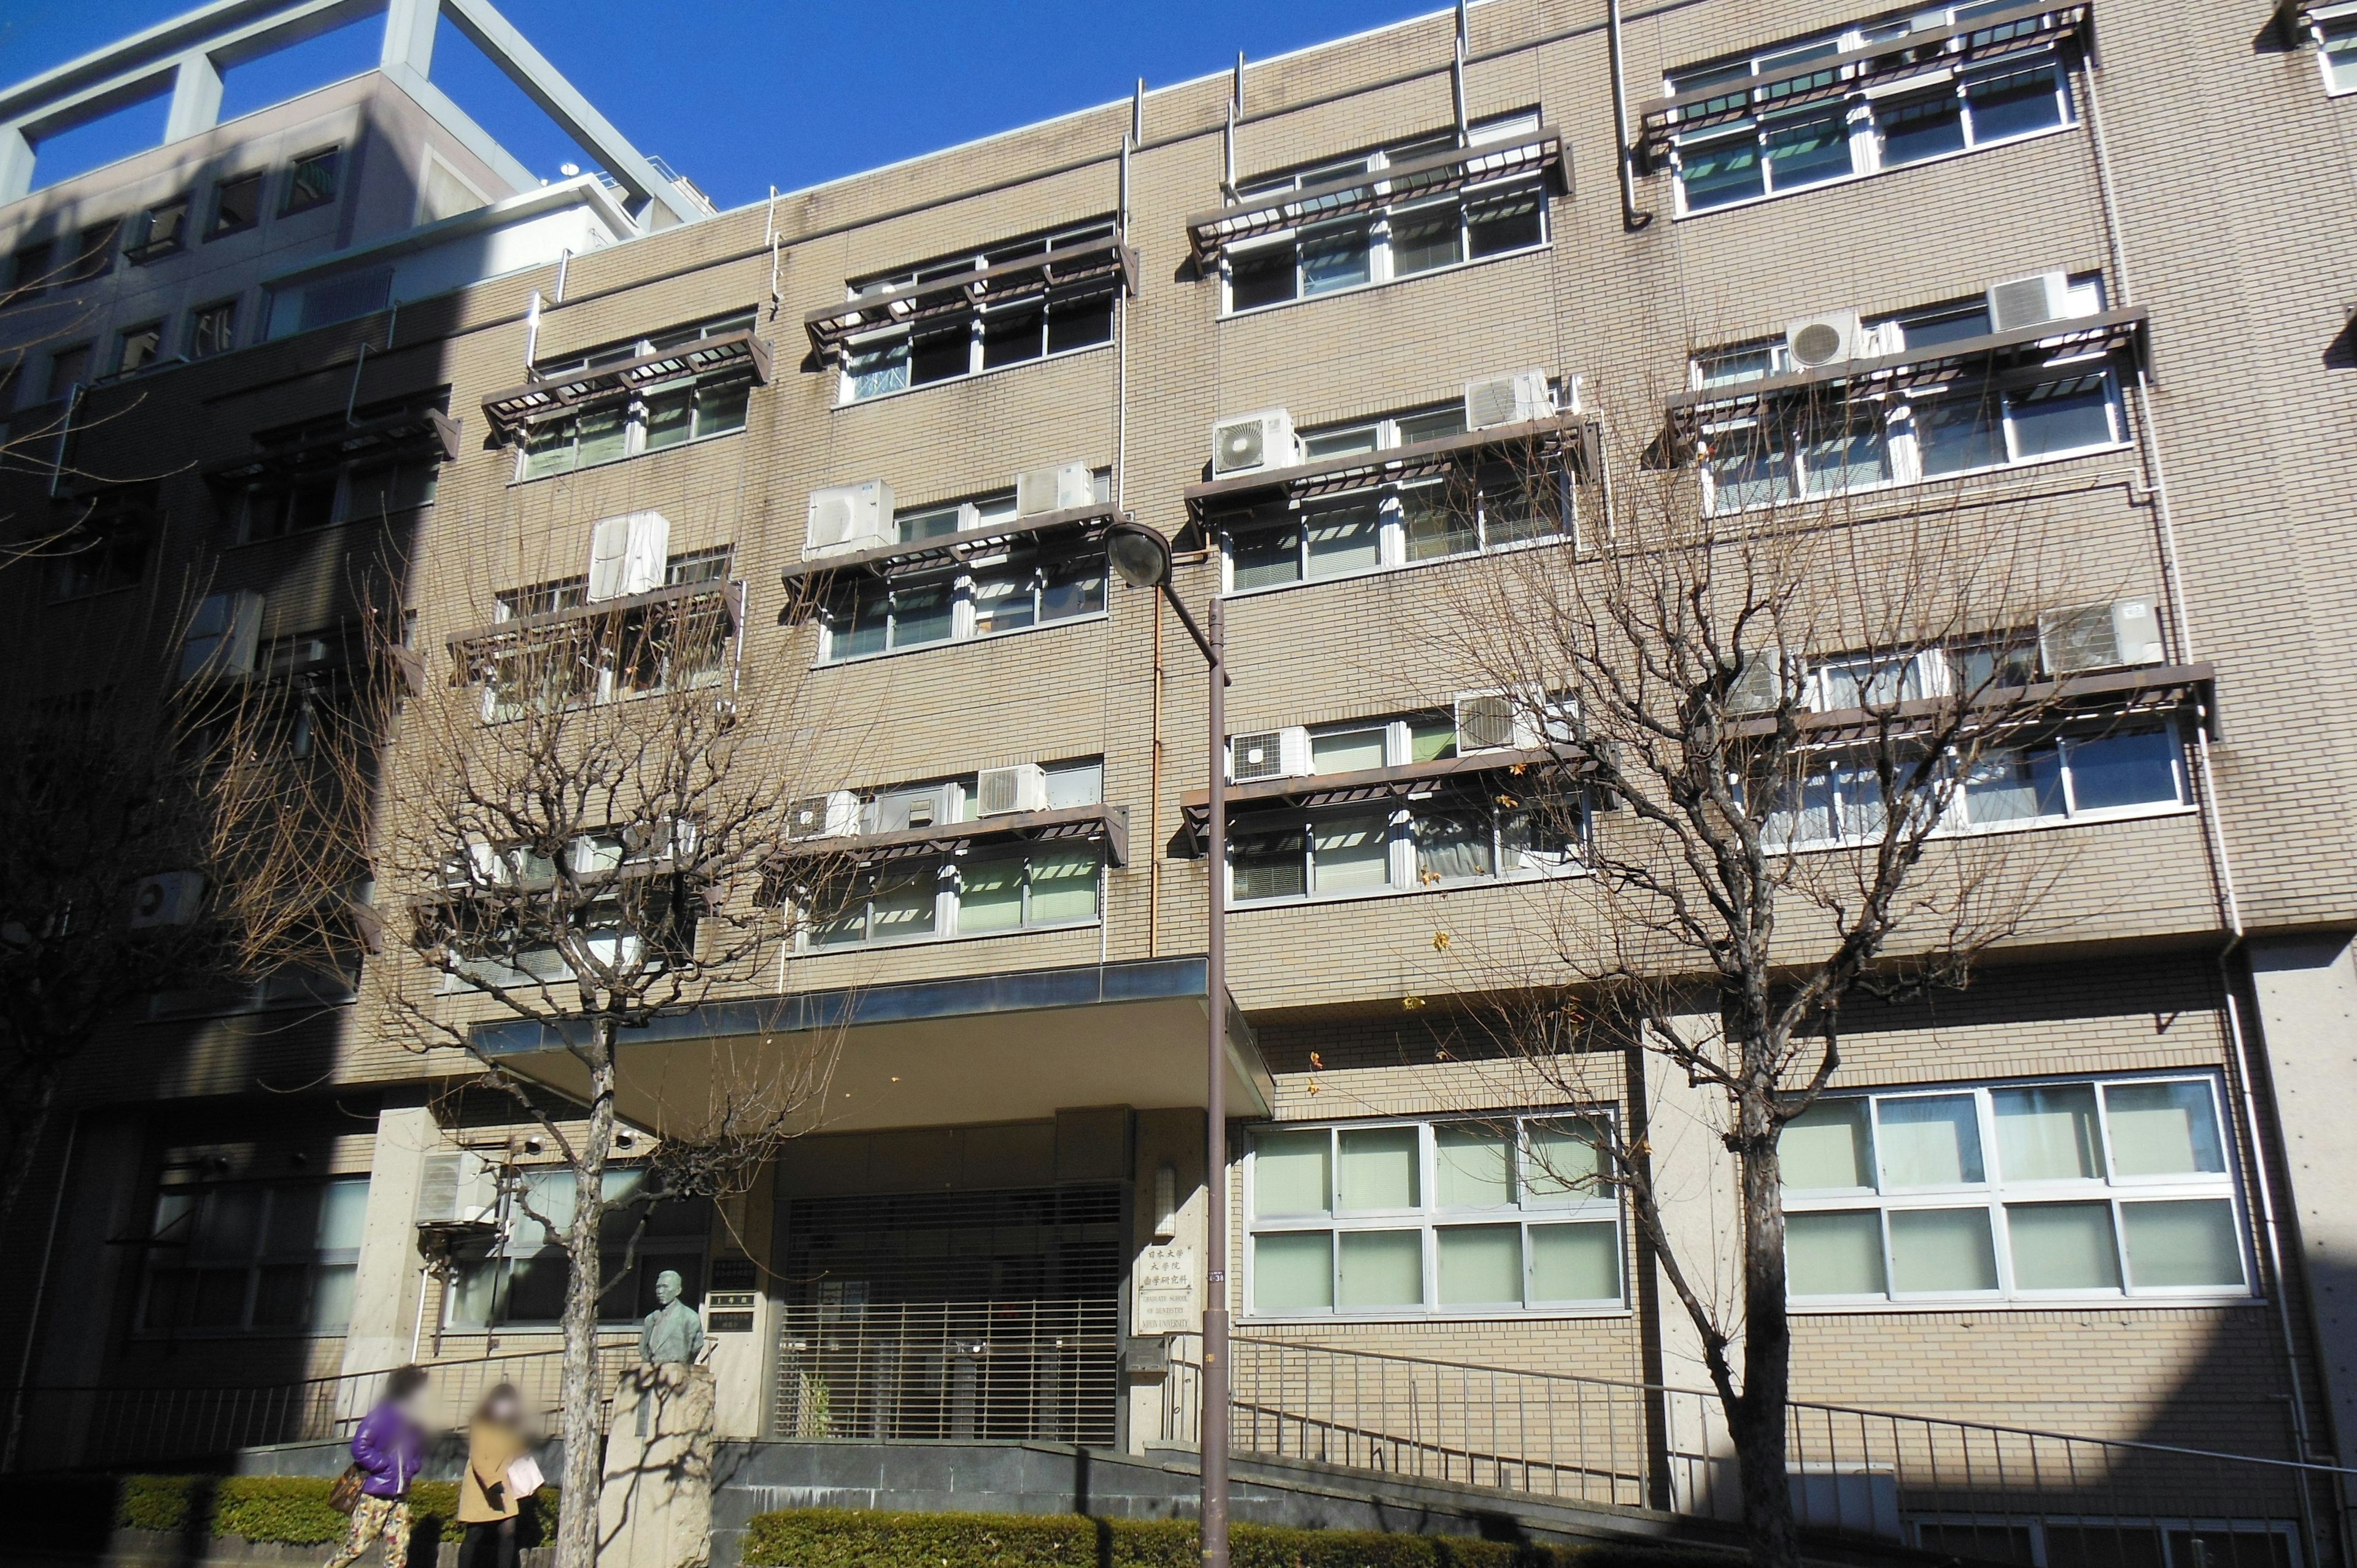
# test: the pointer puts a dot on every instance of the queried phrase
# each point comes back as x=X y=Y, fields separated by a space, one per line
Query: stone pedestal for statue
x=654 y=1508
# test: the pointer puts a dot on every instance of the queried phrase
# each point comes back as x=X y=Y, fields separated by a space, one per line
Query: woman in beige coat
x=488 y=1504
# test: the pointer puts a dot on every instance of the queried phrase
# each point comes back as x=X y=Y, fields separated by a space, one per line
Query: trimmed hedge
x=288 y=1510
x=848 y=1538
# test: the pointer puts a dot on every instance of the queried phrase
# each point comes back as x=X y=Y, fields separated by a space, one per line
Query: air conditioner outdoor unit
x=167 y=898
x=1252 y=442
x=1000 y=791
x=2028 y=302
x=832 y=815
x=1270 y=754
x=844 y=517
x=627 y=554
x=1759 y=684
x=1507 y=400
x=1060 y=488
x=1834 y=338
x=457 y=1186
x=1500 y=721
x=661 y=839
x=222 y=635
x=2099 y=636
x=904 y=809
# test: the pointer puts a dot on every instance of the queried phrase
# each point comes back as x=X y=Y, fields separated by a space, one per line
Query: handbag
x=345 y=1495
x=523 y=1477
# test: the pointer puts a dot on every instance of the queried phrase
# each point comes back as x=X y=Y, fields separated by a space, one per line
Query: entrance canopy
x=994 y=1047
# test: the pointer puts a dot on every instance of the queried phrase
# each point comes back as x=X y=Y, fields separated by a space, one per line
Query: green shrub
x=155 y=1502
x=842 y=1538
x=289 y=1510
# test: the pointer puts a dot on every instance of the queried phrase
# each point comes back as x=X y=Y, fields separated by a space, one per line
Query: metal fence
x=1046 y=1369
x=1980 y=1491
x=94 y=1426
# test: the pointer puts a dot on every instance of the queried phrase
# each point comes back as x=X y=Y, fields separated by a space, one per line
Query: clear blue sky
x=741 y=94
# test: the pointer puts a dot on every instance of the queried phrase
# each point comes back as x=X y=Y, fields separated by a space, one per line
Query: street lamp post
x=1141 y=557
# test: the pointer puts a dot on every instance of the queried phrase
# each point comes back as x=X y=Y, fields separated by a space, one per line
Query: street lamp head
x=1139 y=555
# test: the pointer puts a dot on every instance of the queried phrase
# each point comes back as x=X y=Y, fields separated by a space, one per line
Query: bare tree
x=580 y=823
x=1782 y=707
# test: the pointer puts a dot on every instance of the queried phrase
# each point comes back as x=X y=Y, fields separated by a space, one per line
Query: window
x=1822 y=442
x=968 y=341
x=135 y=347
x=1504 y=1214
x=677 y=644
x=69 y=368
x=213 y=329
x=108 y=549
x=94 y=252
x=646 y=419
x=1451 y=834
x=1401 y=523
x=158 y=231
x=28 y=270
x=2128 y=770
x=311 y=182
x=1030 y=582
x=2012 y=1192
x=330 y=488
x=2335 y=30
x=1415 y=236
x=253 y=1257
x=518 y=1278
x=298 y=987
x=237 y=205
x=1800 y=134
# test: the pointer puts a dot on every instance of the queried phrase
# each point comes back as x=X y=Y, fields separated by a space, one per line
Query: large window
x=1461 y=1216
x=1826 y=442
x=968 y=341
x=673 y=645
x=1397 y=525
x=1411 y=237
x=2334 y=29
x=2022 y=1191
x=107 y=548
x=646 y=419
x=1781 y=147
x=253 y=1257
x=331 y=488
x=518 y=1278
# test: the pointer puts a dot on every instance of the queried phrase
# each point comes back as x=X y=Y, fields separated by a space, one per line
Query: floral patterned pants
x=388 y=1517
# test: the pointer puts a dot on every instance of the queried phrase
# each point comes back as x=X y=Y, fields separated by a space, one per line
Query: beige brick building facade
x=2192 y=963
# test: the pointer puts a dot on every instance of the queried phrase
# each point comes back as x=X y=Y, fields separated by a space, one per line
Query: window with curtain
x=253 y=1257
x=2020 y=1191
x=1460 y=1217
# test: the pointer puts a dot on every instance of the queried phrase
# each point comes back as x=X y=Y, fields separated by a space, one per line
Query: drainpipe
x=1632 y=221
x=40 y=1293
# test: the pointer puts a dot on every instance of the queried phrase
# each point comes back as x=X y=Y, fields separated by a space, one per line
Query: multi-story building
x=2095 y=1194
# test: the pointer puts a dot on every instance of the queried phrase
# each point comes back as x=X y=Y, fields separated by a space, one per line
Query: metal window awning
x=1884 y=65
x=1066 y=272
x=546 y=398
x=423 y=429
x=2145 y=689
x=1109 y=823
x=470 y=652
x=1548 y=440
x=1406 y=781
x=2107 y=332
x=1210 y=234
x=809 y=579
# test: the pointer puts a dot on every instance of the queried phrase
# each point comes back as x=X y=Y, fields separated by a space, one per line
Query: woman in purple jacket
x=388 y=1450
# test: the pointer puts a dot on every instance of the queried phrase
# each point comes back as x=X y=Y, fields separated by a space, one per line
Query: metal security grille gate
x=980 y=1314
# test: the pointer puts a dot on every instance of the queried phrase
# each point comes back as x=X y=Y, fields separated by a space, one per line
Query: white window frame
x=1428 y=1217
x=1995 y=1192
x=847 y=380
x=1857 y=108
x=2325 y=24
x=635 y=404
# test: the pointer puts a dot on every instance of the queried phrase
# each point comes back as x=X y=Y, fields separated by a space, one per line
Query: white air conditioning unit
x=167 y=898
x=627 y=554
x=222 y=635
x=2099 y=636
x=2028 y=302
x=1000 y=791
x=1834 y=338
x=1252 y=442
x=901 y=810
x=844 y=517
x=1060 y=488
x=832 y=815
x=1759 y=682
x=644 y=843
x=1270 y=754
x=1507 y=400
x=455 y=1187
x=1500 y=721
